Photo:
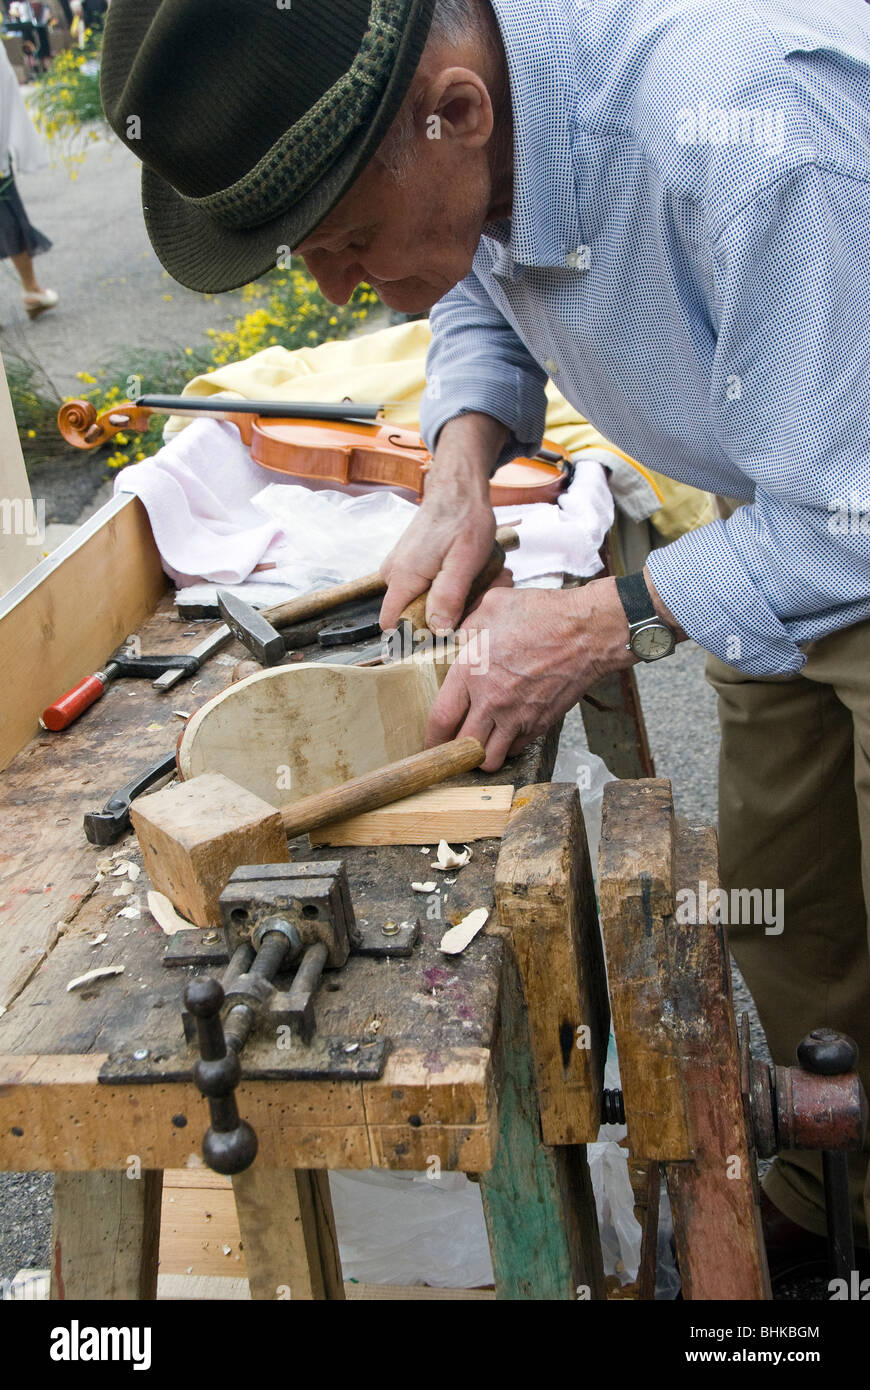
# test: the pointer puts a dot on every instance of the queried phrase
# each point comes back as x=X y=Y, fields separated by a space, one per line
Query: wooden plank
x=105 y=1234
x=199 y=1232
x=546 y=897
x=456 y=814
x=714 y=1198
x=55 y=1116
x=538 y=1200
x=636 y=893
x=288 y=1232
x=109 y=570
x=47 y=867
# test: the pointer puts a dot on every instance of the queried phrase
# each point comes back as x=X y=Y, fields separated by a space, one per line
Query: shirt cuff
x=712 y=596
x=517 y=400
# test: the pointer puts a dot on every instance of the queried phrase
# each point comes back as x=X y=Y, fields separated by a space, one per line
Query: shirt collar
x=545 y=224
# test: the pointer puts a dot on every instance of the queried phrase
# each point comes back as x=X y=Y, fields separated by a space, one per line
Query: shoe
x=36 y=303
x=795 y=1253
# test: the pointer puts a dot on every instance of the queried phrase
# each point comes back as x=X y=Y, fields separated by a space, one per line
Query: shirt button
x=579 y=259
x=551 y=367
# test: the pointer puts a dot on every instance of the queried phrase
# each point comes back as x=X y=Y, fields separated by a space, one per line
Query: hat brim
x=203 y=255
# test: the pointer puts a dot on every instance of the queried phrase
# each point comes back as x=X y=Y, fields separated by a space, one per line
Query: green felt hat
x=252 y=118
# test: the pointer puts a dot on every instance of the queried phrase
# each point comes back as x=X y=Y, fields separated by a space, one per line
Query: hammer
x=258 y=631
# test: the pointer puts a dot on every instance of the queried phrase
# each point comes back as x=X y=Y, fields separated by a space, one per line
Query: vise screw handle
x=230 y=1144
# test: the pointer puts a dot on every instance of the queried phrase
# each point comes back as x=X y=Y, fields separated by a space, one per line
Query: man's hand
x=450 y=539
x=530 y=655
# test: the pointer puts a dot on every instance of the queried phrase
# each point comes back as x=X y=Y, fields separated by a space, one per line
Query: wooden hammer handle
x=385 y=785
x=506 y=539
x=299 y=610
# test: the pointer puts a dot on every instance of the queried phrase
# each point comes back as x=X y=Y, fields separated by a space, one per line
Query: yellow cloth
x=388 y=367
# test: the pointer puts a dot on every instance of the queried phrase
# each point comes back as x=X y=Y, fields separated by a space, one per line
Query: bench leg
x=288 y=1233
x=105 y=1235
x=538 y=1199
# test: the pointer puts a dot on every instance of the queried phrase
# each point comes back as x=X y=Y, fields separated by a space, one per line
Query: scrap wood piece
x=545 y=896
x=100 y=973
x=454 y=814
x=454 y=941
x=636 y=893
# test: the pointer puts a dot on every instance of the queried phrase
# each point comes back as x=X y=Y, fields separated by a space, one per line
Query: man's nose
x=337 y=276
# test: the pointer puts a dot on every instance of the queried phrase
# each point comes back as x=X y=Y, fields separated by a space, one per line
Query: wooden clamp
x=670 y=991
x=545 y=896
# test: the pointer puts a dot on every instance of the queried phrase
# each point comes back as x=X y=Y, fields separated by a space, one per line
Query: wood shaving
x=98 y=939
x=450 y=859
x=164 y=914
x=123 y=890
x=458 y=937
x=126 y=866
x=101 y=973
x=132 y=910
x=424 y=887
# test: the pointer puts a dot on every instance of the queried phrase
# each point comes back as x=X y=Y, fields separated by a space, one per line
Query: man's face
x=412 y=242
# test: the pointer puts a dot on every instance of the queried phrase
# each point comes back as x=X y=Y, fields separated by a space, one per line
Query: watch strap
x=635 y=599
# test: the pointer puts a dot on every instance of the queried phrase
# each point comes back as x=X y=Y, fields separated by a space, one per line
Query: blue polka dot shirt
x=688 y=258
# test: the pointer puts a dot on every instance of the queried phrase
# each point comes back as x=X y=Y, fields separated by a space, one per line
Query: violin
x=348 y=446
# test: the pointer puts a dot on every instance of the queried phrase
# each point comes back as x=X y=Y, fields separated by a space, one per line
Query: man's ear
x=458 y=104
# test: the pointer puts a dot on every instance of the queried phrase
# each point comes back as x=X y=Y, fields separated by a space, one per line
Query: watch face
x=653 y=642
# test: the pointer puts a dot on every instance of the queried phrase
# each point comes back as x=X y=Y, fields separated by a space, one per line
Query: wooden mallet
x=194 y=836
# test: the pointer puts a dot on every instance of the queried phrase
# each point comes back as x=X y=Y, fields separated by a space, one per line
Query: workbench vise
x=285 y=924
x=281 y=917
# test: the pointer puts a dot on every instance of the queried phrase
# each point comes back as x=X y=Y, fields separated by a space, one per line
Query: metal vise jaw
x=279 y=917
x=314 y=898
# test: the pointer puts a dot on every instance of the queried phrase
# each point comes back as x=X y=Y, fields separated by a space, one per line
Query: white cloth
x=216 y=515
x=18 y=136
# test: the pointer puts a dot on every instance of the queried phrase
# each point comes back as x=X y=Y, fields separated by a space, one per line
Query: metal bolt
x=140 y=1054
x=210 y=938
x=390 y=928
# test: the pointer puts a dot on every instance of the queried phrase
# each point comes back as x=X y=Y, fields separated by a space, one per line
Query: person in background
x=20 y=146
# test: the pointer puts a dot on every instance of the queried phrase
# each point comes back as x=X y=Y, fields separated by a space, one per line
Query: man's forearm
x=466 y=452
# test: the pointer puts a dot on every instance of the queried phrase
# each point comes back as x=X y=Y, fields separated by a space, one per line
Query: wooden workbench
x=459 y=1077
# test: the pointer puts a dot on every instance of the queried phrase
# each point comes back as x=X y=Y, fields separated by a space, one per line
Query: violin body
x=346 y=453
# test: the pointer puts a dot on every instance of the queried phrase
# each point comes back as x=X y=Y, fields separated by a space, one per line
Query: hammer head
x=255 y=632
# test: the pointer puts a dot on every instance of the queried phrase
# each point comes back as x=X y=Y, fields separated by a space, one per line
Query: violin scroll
x=82 y=427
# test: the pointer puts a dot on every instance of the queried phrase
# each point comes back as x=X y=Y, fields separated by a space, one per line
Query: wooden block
x=456 y=814
x=545 y=895
x=192 y=837
x=636 y=894
x=714 y=1198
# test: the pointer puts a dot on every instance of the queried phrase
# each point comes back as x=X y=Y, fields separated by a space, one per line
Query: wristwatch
x=648 y=637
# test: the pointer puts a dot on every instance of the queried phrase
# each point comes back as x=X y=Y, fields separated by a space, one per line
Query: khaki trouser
x=794 y=814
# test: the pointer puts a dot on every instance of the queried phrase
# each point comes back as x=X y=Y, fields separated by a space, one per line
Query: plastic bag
x=410 y=1228
x=592 y=777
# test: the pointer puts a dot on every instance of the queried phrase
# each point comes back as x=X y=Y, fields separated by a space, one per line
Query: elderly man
x=666 y=209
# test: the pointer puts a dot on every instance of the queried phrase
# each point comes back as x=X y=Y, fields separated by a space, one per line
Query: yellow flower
x=87 y=378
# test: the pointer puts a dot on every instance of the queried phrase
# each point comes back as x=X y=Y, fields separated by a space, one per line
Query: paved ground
x=114 y=293
x=114 y=297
